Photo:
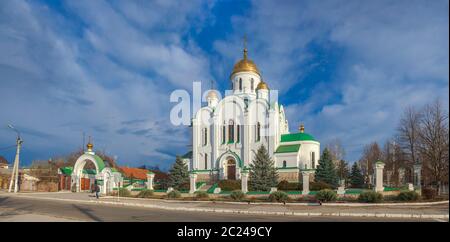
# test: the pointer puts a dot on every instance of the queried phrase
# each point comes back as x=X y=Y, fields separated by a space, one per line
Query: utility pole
x=15 y=172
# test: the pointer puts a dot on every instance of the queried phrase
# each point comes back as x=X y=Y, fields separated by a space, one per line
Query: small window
x=284 y=164
x=313 y=159
x=258 y=132
x=240 y=84
x=206 y=161
x=238 y=133
x=252 y=82
x=205 y=136
x=223 y=133
x=231 y=131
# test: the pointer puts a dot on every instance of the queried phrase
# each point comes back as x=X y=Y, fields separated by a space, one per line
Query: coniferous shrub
x=178 y=174
x=408 y=196
x=356 y=177
x=145 y=194
x=326 y=195
x=174 y=194
x=237 y=195
x=326 y=172
x=263 y=174
x=278 y=196
x=123 y=192
x=370 y=197
x=201 y=194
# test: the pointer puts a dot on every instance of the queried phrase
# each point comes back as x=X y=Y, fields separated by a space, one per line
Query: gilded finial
x=301 y=128
x=89 y=145
x=245 y=47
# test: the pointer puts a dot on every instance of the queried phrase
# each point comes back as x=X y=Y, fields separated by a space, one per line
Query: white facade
x=226 y=133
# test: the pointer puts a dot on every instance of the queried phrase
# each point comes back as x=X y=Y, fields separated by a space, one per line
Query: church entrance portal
x=231 y=169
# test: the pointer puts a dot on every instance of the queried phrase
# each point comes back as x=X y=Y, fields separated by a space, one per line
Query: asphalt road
x=26 y=209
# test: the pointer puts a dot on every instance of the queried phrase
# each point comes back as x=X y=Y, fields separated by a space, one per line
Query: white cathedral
x=227 y=133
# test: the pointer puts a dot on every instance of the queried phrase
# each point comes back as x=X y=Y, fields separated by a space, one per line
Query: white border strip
x=237 y=211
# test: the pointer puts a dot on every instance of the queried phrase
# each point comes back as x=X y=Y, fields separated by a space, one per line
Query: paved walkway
x=440 y=211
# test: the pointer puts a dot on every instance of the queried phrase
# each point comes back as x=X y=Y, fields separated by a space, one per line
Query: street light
x=13 y=128
x=15 y=171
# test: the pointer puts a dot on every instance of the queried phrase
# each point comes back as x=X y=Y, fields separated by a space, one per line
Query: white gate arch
x=107 y=178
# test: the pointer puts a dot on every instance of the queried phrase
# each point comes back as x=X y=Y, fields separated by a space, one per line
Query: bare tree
x=371 y=154
x=434 y=142
x=408 y=133
x=336 y=150
x=394 y=158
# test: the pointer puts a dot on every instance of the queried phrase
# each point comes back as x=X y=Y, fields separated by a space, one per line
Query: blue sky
x=344 y=68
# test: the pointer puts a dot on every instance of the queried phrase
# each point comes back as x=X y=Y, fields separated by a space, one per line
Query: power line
x=8 y=147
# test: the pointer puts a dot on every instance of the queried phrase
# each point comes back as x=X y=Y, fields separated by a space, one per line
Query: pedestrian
x=97 y=190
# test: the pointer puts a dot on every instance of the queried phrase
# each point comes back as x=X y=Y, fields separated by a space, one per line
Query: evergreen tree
x=342 y=170
x=178 y=174
x=263 y=174
x=356 y=177
x=326 y=171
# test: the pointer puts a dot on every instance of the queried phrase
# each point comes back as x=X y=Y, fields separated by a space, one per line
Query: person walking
x=97 y=190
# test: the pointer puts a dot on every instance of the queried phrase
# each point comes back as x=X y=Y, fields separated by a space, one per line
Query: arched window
x=205 y=136
x=240 y=84
x=231 y=131
x=313 y=159
x=206 y=161
x=238 y=133
x=284 y=164
x=252 y=84
x=258 y=131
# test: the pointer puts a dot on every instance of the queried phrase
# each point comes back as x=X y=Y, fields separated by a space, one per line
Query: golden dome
x=262 y=85
x=212 y=94
x=90 y=146
x=245 y=65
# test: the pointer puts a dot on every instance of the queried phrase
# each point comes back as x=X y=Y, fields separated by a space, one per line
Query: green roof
x=66 y=170
x=288 y=148
x=89 y=171
x=100 y=163
x=297 y=137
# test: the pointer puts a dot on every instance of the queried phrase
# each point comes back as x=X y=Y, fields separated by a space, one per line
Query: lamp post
x=15 y=171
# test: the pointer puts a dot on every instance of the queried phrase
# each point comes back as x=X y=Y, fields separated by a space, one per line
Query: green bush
x=230 y=185
x=278 y=196
x=145 y=194
x=317 y=186
x=201 y=194
x=429 y=193
x=408 y=196
x=326 y=195
x=123 y=192
x=237 y=195
x=370 y=197
x=174 y=194
x=288 y=186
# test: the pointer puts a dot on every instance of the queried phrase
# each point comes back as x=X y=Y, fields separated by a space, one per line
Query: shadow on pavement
x=88 y=212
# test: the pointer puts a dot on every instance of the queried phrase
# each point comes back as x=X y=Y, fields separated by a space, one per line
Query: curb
x=290 y=204
x=233 y=211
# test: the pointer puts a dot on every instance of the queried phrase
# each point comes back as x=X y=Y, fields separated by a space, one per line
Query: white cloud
x=58 y=81
x=393 y=54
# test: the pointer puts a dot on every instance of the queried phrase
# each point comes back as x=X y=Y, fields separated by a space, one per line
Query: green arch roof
x=297 y=137
x=100 y=162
